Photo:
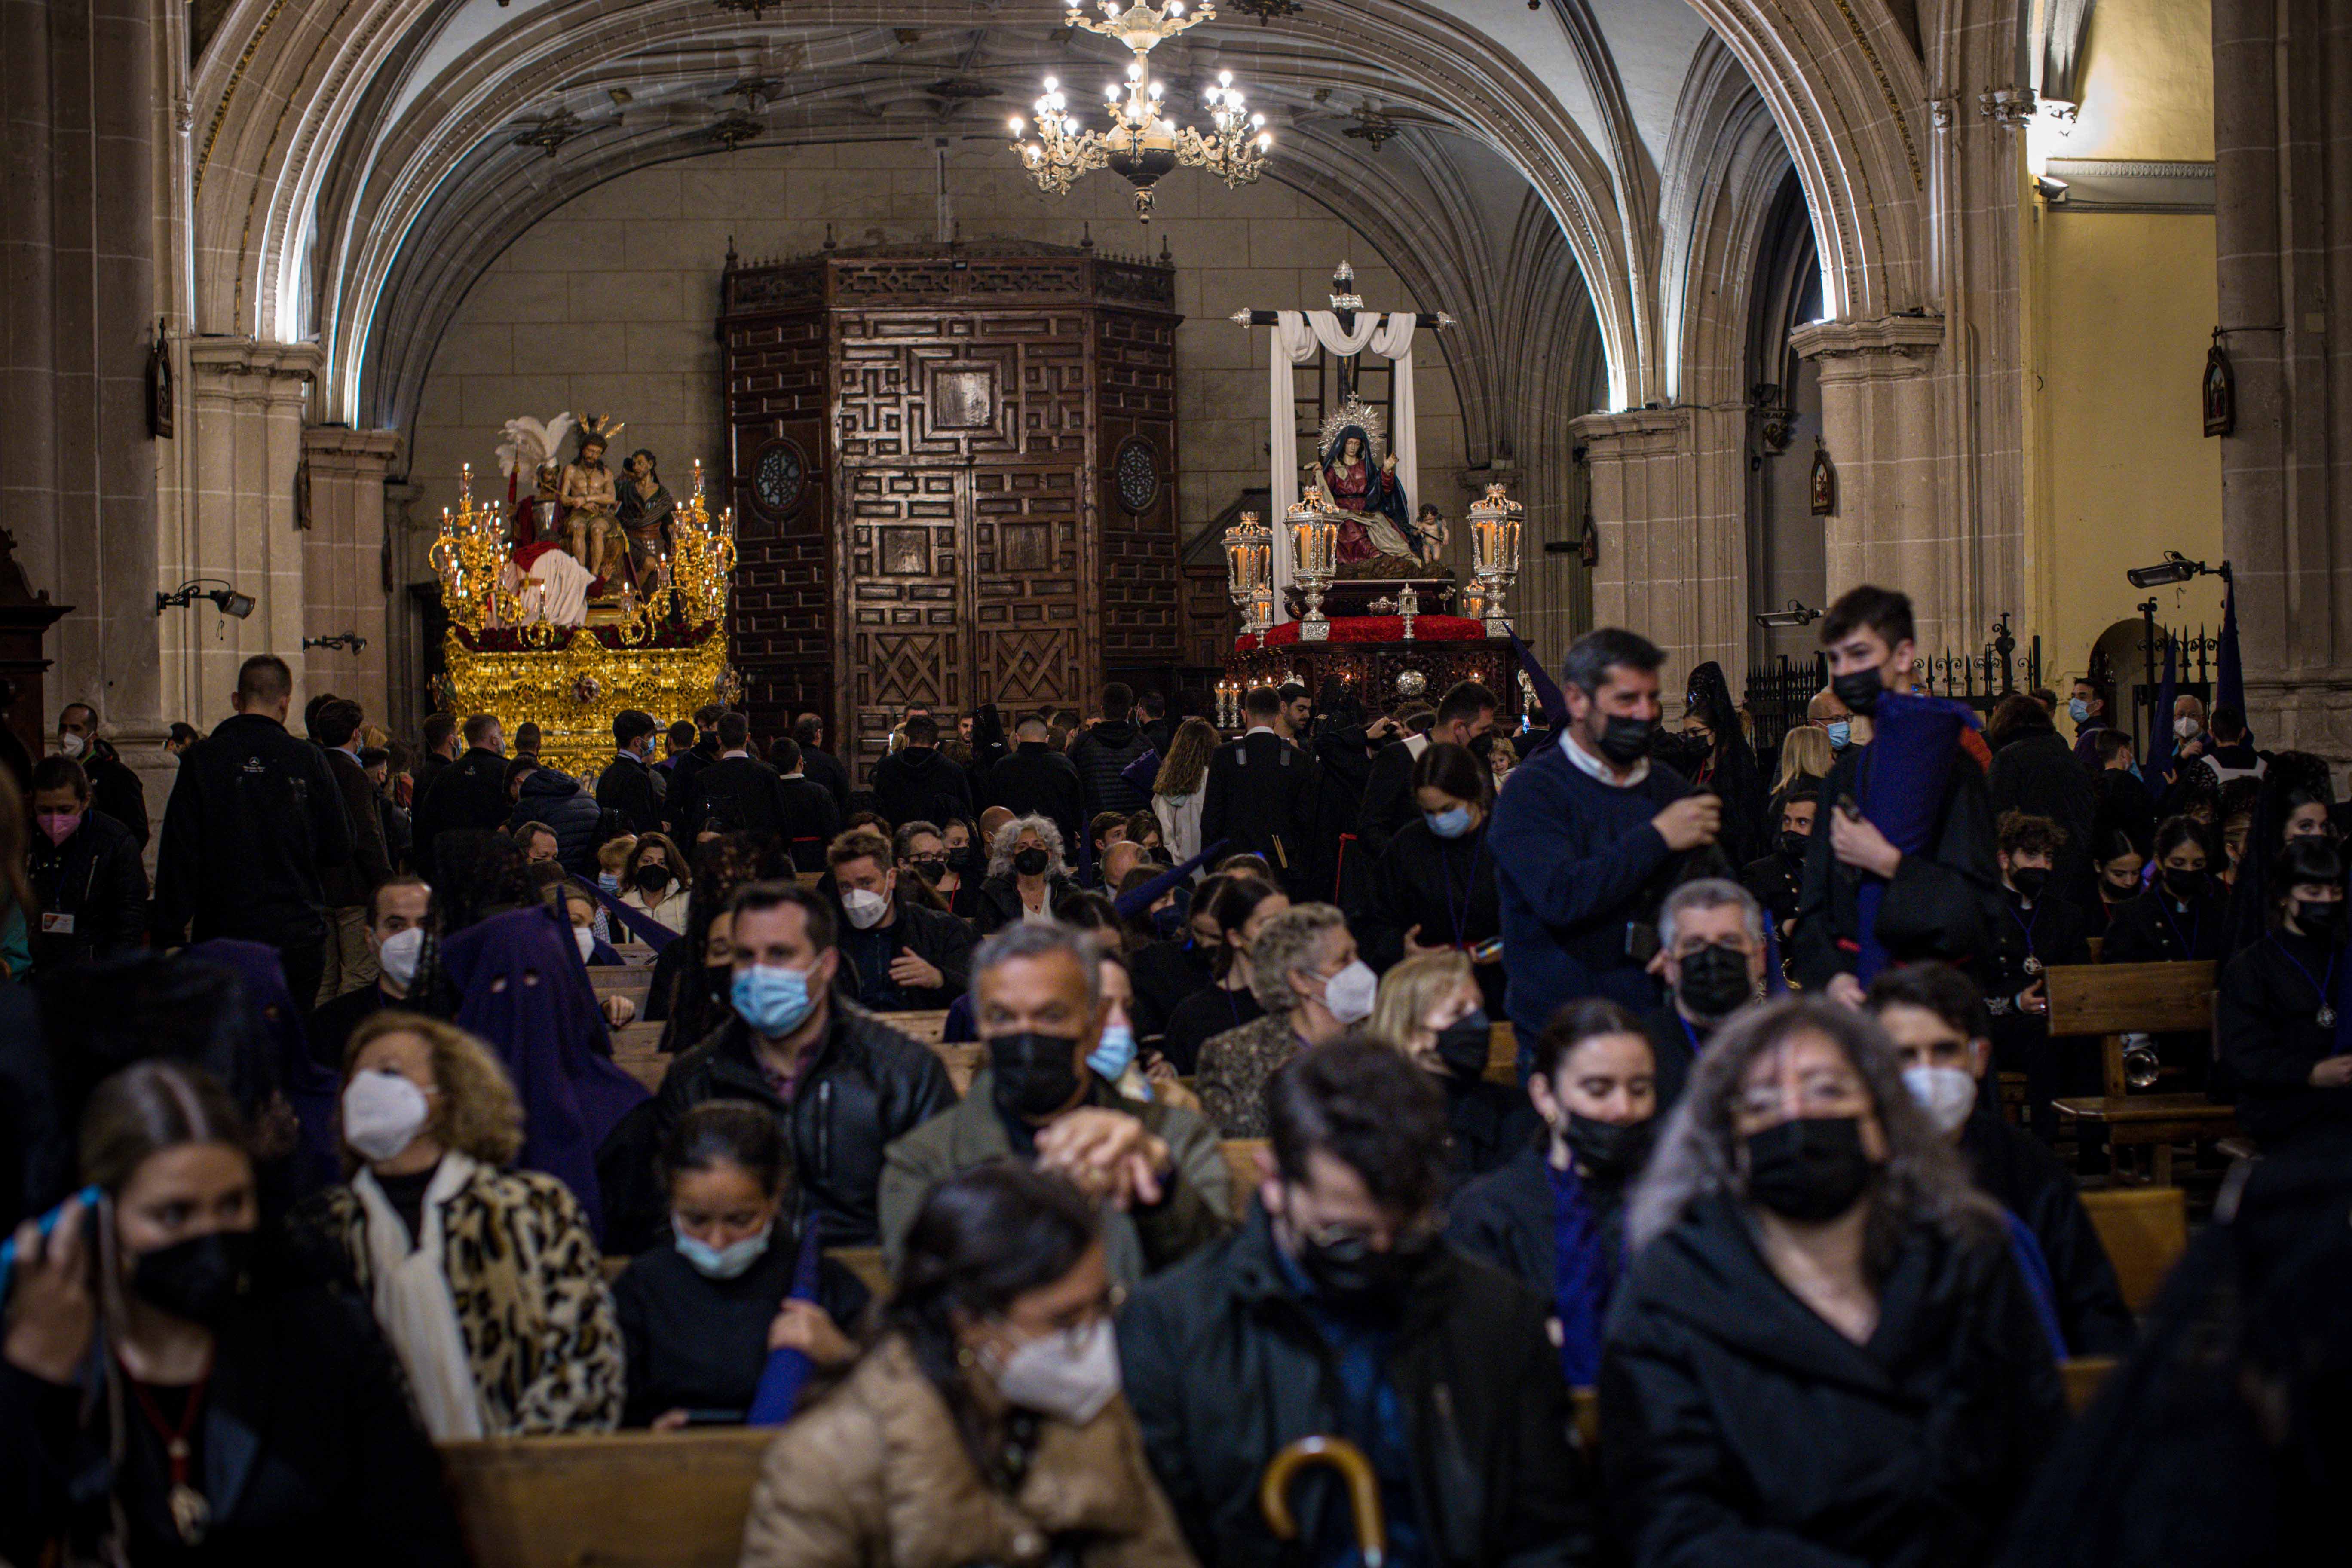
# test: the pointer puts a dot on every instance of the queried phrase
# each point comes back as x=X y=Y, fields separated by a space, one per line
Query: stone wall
x=607 y=305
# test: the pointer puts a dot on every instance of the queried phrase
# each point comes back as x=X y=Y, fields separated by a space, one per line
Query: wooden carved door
x=909 y=599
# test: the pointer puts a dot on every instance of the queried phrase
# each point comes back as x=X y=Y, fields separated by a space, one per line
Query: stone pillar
x=411 y=536
x=1663 y=572
x=1880 y=430
x=343 y=559
x=2282 y=160
x=77 y=315
x=245 y=402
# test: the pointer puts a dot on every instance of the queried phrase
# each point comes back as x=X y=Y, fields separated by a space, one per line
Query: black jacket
x=809 y=819
x=1260 y=799
x=1164 y=973
x=1506 y=1217
x=2017 y=1171
x=2125 y=806
x=733 y=794
x=370 y=864
x=307 y=1448
x=1776 y=882
x=556 y=800
x=468 y=792
x=2060 y=934
x=682 y=769
x=827 y=769
x=115 y=789
x=932 y=935
x=915 y=783
x=1943 y=903
x=869 y=1084
x=1034 y=780
x=999 y=901
x=1202 y=1017
x=253 y=818
x=630 y=787
x=2266 y=1020
x=94 y=878
x=1446 y=886
x=2156 y=929
x=1387 y=805
x=1223 y=1364
x=700 y=1344
x=1672 y=1052
x=2036 y=772
x=1486 y=1125
x=1100 y=756
x=1739 y=1427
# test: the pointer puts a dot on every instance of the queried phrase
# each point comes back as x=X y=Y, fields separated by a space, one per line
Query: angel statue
x=590 y=498
x=531 y=445
x=1363 y=485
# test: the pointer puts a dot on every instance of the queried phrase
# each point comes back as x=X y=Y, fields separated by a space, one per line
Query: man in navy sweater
x=1586 y=839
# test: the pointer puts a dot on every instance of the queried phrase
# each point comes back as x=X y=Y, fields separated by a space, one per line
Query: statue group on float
x=614 y=528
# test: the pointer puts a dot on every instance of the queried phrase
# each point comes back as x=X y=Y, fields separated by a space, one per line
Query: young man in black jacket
x=812 y=817
x=905 y=958
x=842 y=1082
x=1104 y=751
x=736 y=794
x=629 y=784
x=254 y=817
x=1034 y=780
x=915 y=783
x=1260 y=796
x=470 y=792
x=1339 y=1310
x=1940 y=1028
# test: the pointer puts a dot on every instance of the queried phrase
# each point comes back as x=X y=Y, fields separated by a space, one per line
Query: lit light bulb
x=1265 y=141
x=1155 y=90
x=1051 y=84
x=1016 y=126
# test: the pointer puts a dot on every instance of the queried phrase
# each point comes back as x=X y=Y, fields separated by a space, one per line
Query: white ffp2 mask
x=1070 y=1376
x=382 y=1115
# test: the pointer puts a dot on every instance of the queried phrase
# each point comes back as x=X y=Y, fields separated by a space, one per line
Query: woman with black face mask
x=167 y=1394
x=2178 y=920
x=1554 y=1217
x=2282 y=1014
x=1822 y=1349
x=2039 y=928
x=1430 y=1008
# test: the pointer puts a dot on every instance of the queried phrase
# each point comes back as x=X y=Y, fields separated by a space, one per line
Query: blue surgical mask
x=610 y=881
x=1112 y=1058
x=1451 y=823
x=1841 y=733
x=722 y=1262
x=772 y=999
x=2078 y=709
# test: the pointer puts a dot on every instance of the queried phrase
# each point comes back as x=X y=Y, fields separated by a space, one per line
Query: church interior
x=830 y=381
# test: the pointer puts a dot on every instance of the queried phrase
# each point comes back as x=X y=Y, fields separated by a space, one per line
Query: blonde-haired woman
x=485 y=1281
x=1177 y=790
x=1805 y=754
x=1430 y=1007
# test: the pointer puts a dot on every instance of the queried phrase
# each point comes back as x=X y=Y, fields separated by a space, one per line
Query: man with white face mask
x=399 y=919
x=1937 y=1019
x=903 y=955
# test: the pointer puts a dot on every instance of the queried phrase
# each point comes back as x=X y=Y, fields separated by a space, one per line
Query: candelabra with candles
x=1249 y=573
x=1495 y=555
x=1314 y=558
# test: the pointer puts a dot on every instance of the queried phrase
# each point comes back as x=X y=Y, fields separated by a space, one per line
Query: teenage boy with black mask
x=2037 y=928
x=1340 y=1309
x=1940 y=901
x=1777 y=880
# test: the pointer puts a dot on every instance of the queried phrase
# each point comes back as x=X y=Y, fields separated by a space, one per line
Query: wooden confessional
x=953 y=469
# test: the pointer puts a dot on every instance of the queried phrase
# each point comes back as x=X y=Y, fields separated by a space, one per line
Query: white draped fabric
x=1297 y=335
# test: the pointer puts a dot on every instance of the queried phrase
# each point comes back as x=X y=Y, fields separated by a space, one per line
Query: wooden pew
x=866 y=1262
x=963 y=1061
x=647 y=1068
x=636 y=1040
x=928 y=1028
x=2109 y=1001
x=1241 y=1165
x=629 y=1500
x=2145 y=1231
x=1503 y=1055
x=622 y=980
x=678 y=1499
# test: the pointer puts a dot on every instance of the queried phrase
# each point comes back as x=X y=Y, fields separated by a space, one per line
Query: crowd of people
x=316 y=1153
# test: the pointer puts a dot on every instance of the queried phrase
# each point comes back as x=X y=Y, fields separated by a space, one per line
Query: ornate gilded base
x=573 y=691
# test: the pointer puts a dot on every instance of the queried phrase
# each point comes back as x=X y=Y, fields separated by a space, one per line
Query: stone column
x=1879 y=427
x=2283 y=158
x=344 y=559
x=1663 y=572
x=245 y=402
x=403 y=632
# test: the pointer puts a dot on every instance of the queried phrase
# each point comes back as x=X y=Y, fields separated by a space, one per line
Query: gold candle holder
x=1314 y=556
x=1494 y=525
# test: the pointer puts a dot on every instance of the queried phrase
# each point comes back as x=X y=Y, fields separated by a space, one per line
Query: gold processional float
x=509 y=653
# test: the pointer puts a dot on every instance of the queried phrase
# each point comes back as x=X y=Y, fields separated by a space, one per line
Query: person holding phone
x=168 y=1393
x=1432 y=888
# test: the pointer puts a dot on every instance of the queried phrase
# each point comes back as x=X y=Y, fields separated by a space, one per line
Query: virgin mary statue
x=1370 y=499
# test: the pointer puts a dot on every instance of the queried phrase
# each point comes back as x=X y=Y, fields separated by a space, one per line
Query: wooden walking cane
x=1363 y=1492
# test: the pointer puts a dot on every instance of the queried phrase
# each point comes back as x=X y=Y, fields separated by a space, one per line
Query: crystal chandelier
x=1140 y=145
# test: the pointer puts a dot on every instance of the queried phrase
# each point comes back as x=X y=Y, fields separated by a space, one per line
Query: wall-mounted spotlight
x=2175 y=568
x=350 y=640
x=1795 y=614
x=230 y=601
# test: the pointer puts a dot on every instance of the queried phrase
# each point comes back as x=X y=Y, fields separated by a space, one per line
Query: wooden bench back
x=866 y=1262
x=637 y=1499
x=2145 y=1231
x=1502 y=1056
x=1241 y=1166
x=2129 y=998
x=928 y=1028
